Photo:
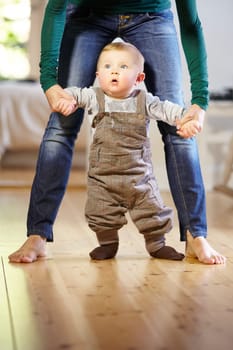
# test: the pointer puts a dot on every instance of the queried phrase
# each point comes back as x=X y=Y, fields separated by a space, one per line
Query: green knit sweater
x=190 y=29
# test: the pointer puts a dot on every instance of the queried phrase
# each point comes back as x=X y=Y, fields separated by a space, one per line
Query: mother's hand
x=195 y=113
x=54 y=94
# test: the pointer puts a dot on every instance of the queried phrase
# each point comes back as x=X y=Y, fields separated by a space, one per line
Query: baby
x=120 y=175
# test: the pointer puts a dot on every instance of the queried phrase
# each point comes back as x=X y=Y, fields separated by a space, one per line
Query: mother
x=73 y=34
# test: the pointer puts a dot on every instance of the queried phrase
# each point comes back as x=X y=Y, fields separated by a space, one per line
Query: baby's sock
x=106 y=251
x=167 y=252
x=157 y=248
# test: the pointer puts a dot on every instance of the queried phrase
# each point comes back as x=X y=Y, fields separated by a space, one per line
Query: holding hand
x=192 y=122
x=65 y=106
x=189 y=129
x=60 y=100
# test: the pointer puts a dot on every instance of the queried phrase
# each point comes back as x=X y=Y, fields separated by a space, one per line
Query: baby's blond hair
x=123 y=46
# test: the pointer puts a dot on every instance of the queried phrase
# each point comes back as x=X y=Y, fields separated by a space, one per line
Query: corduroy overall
x=121 y=179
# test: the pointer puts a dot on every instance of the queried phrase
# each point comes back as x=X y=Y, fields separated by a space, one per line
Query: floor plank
x=7 y=338
x=42 y=318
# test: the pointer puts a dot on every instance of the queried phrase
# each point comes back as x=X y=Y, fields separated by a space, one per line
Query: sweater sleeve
x=86 y=99
x=193 y=43
x=51 y=36
x=165 y=111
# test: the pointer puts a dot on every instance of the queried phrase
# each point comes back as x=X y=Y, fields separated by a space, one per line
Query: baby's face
x=118 y=72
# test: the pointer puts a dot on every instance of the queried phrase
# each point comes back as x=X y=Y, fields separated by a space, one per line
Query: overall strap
x=141 y=102
x=100 y=100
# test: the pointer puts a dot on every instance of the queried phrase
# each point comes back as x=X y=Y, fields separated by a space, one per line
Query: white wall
x=217 y=23
x=37 y=13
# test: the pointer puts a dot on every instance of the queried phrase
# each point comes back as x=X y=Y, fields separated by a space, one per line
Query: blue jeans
x=84 y=36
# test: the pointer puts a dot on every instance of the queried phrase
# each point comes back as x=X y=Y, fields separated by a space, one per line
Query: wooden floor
x=133 y=302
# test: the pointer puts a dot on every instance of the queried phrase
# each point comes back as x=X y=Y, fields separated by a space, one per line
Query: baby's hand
x=188 y=129
x=66 y=107
x=192 y=122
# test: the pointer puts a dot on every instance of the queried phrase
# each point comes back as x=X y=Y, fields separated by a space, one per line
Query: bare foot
x=31 y=250
x=199 y=248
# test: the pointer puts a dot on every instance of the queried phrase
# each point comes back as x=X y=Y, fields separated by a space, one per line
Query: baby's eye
x=124 y=66
x=107 y=66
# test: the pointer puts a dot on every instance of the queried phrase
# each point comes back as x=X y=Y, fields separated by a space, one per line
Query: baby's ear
x=140 y=77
